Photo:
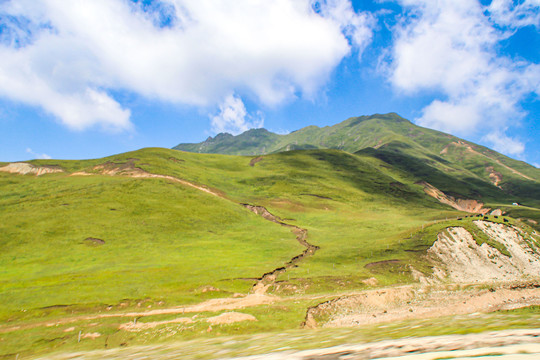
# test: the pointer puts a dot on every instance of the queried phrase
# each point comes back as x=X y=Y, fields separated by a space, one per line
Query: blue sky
x=86 y=79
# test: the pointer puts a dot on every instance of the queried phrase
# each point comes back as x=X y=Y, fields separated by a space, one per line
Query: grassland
x=155 y=233
x=166 y=244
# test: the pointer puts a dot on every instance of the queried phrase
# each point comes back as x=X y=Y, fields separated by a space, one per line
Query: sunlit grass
x=165 y=242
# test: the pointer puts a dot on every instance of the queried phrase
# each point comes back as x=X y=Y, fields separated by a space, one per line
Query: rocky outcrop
x=464 y=261
x=26 y=168
x=471 y=206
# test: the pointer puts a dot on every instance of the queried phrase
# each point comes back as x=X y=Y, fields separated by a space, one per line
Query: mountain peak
x=350 y=135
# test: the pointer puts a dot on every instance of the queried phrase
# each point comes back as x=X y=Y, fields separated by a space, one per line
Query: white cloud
x=37 y=155
x=505 y=144
x=356 y=26
x=450 y=47
x=233 y=117
x=68 y=57
x=512 y=14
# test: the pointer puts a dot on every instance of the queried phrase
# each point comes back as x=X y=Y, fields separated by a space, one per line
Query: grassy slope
x=164 y=241
x=155 y=229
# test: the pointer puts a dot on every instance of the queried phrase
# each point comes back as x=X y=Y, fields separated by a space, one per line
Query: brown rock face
x=471 y=206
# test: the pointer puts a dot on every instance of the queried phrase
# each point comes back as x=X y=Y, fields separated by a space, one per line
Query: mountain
x=426 y=154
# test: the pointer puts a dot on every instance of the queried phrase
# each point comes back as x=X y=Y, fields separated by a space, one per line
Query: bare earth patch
x=94 y=241
x=230 y=317
x=135 y=326
x=471 y=206
x=495 y=176
x=409 y=303
x=26 y=168
x=466 y=262
x=371 y=281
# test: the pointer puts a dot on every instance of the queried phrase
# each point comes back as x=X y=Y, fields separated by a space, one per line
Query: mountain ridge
x=397 y=142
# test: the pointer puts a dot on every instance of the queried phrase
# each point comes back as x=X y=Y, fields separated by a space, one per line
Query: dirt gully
x=268 y=279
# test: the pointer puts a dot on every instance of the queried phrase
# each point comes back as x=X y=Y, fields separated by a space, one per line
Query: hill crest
x=426 y=154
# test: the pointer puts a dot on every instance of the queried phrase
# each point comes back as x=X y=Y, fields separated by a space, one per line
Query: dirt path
x=212 y=305
x=130 y=170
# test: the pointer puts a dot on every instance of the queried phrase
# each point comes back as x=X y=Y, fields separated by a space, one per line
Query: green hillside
x=99 y=242
x=390 y=132
x=153 y=228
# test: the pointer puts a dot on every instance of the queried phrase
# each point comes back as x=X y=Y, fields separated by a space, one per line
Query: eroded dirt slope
x=26 y=168
x=464 y=261
x=501 y=282
x=468 y=205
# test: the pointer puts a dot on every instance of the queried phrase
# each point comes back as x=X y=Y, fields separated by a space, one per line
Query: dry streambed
x=268 y=279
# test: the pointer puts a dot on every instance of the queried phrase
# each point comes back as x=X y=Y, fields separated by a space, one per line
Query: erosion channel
x=268 y=279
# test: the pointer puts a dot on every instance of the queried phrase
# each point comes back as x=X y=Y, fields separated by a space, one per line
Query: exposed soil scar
x=255 y=160
x=268 y=279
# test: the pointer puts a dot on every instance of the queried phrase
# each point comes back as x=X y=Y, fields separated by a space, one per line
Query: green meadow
x=74 y=246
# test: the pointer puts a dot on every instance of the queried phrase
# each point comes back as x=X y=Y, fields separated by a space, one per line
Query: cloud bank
x=69 y=57
x=450 y=47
